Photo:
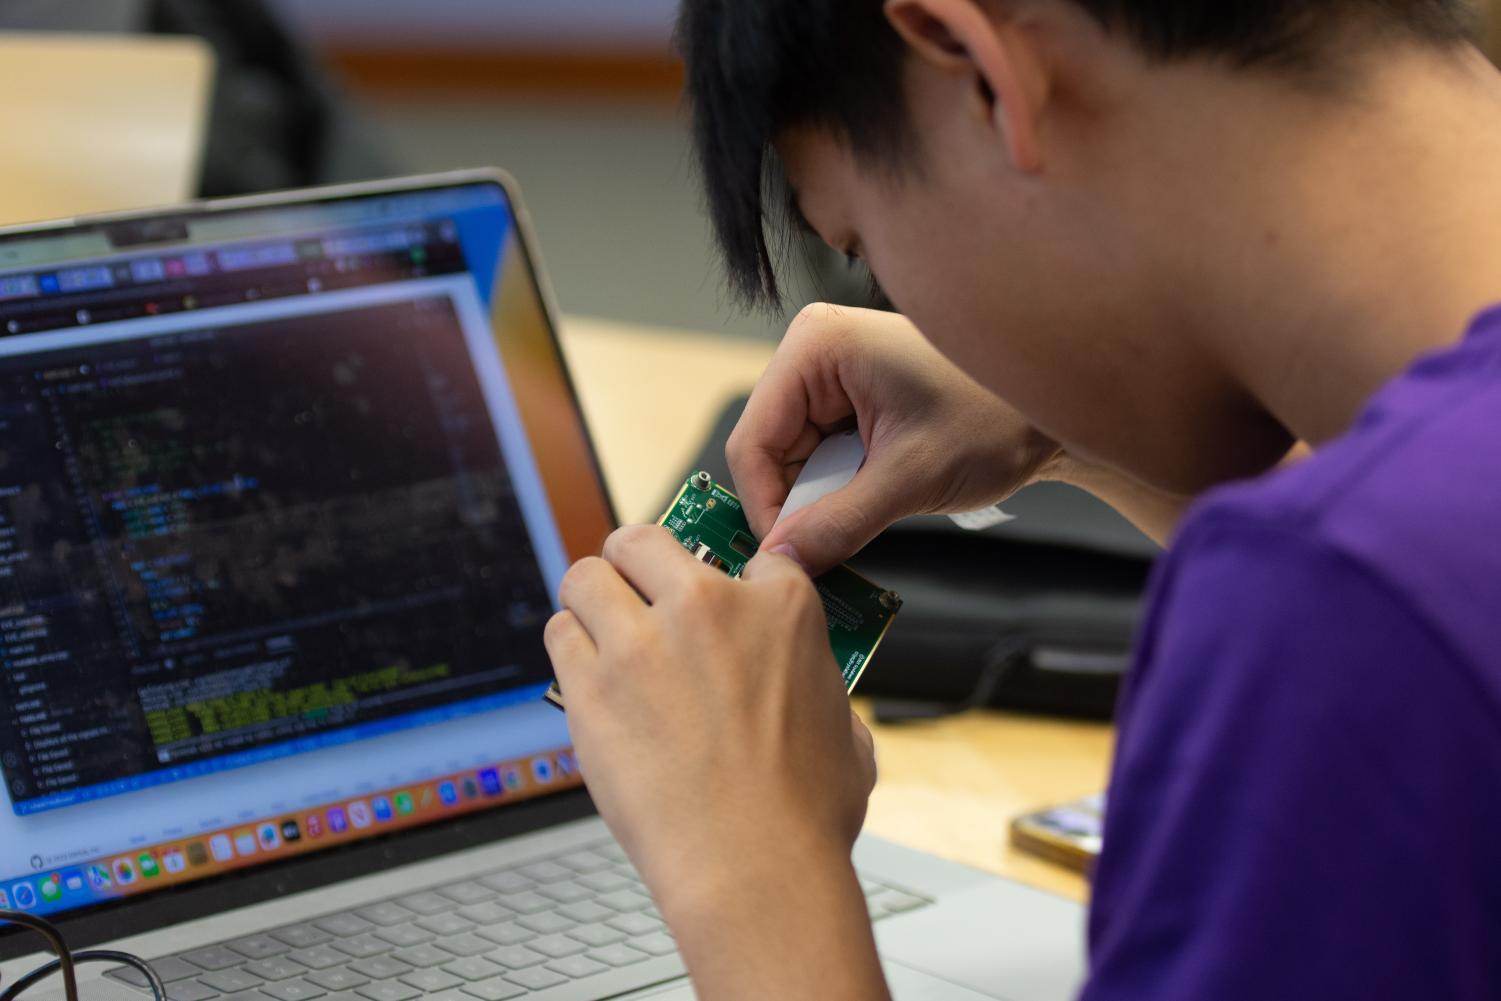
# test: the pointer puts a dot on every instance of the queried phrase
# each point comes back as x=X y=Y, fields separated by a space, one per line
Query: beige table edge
x=949 y=787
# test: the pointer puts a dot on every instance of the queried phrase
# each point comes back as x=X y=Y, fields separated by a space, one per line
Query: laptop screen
x=276 y=549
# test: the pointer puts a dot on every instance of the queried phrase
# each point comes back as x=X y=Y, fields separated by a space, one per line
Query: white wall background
x=571 y=25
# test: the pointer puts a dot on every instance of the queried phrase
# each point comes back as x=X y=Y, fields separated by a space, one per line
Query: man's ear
x=958 y=36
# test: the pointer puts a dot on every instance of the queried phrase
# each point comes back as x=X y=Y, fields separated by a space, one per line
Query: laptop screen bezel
x=212 y=895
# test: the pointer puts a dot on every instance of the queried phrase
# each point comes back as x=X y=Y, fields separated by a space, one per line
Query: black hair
x=755 y=68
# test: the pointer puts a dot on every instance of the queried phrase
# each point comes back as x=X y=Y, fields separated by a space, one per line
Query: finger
x=767 y=565
x=770 y=442
x=764 y=480
x=569 y=648
x=865 y=750
x=650 y=559
x=836 y=527
x=605 y=605
x=797 y=400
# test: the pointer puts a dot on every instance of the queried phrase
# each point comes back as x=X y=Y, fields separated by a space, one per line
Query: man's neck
x=1371 y=237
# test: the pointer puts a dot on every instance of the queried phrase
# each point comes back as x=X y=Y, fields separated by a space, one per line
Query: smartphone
x=1069 y=835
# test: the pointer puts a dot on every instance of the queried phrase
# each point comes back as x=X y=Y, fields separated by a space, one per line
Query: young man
x=1185 y=244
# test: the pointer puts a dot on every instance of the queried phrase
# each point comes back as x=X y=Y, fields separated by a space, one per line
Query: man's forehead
x=813 y=168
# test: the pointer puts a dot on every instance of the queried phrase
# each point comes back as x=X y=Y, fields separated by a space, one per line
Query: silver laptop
x=287 y=484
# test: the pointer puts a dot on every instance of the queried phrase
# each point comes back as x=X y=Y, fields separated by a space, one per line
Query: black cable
x=90 y=956
x=47 y=930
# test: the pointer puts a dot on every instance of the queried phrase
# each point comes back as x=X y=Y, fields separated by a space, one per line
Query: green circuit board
x=710 y=523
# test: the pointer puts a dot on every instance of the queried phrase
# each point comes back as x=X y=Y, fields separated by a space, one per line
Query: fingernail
x=788 y=550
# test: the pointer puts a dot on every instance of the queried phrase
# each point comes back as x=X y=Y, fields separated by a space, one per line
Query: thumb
x=836 y=527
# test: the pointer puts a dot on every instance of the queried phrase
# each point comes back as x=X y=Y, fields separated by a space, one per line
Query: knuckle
x=574 y=579
x=700 y=590
x=812 y=320
x=794 y=592
x=624 y=539
x=557 y=628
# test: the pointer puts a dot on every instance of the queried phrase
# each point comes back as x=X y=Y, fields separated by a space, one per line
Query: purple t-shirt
x=1306 y=798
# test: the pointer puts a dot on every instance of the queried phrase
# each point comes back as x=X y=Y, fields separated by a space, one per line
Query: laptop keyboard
x=552 y=928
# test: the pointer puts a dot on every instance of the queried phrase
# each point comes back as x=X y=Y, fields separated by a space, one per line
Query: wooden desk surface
x=99 y=123
x=949 y=787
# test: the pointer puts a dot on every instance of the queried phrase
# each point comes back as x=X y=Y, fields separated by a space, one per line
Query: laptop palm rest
x=998 y=938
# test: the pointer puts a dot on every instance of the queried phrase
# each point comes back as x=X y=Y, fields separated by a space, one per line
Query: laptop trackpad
x=906 y=985
x=999 y=938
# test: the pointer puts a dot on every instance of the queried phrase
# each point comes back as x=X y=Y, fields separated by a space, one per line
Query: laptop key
x=466 y=893
x=565 y=892
x=506 y=933
x=546 y=923
x=231 y=981
x=596 y=935
x=361 y=946
x=132 y=977
x=612 y=851
x=445 y=924
x=515 y=957
x=404 y=936
x=301 y=936
x=465 y=944
x=526 y=902
x=506 y=882
x=617 y=955
x=425 y=903
x=431 y=981
x=587 y=910
x=380 y=967
x=625 y=900
x=473 y=968
x=577 y=966
x=386 y=912
x=258 y=946
x=341 y=979
x=294 y=990
x=605 y=881
x=536 y=978
x=586 y=860
x=556 y=946
x=658 y=945
x=423 y=956
x=486 y=913
x=190 y=990
x=275 y=968
x=494 y=989
x=635 y=924
x=897 y=902
x=388 y=990
x=343 y=925
x=545 y=872
x=319 y=957
x=214 y=957
x=169 y=968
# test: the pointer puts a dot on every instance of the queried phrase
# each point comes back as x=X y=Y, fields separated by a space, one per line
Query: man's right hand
x=936 y=441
